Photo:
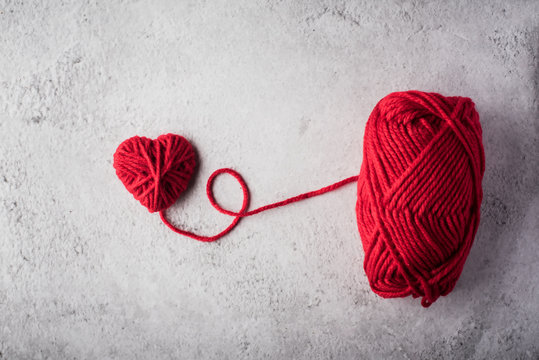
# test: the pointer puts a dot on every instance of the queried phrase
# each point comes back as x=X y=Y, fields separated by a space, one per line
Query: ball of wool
x=419 y=193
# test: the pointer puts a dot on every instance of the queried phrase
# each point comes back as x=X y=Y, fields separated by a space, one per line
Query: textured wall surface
x=279 y=91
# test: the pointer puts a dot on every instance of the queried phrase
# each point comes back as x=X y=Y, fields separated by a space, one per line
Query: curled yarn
x=419 y=193
x=419 y=190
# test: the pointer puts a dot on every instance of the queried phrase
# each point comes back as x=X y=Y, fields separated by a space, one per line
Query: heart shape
x=156 y=171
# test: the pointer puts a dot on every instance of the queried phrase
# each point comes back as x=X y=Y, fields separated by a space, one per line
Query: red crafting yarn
x=419 y=193
x=157 y=171
x=419 y=190
x=246 y=198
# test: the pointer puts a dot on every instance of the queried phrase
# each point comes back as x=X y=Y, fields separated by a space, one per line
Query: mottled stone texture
x=278 y=90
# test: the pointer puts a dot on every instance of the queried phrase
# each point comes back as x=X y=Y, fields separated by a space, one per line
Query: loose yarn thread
x=419 y=190
x=246 y=198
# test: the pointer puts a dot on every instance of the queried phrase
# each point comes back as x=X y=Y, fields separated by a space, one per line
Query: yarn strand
x=246 y=198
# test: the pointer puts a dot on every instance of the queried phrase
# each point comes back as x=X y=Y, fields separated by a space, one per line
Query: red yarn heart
x=156 y=171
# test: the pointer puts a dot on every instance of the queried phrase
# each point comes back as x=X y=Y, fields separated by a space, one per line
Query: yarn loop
x=246 y=199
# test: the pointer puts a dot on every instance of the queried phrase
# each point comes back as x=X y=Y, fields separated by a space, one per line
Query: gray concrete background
x=278 y=90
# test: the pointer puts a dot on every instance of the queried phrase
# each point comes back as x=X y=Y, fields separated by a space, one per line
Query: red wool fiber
x=419 y=190
x=419 y=193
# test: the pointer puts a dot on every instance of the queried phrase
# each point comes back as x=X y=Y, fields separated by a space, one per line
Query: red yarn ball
x=157 y=171
x=419 y=193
